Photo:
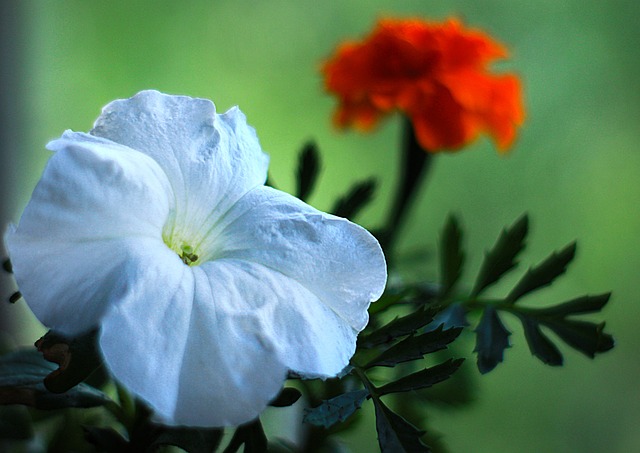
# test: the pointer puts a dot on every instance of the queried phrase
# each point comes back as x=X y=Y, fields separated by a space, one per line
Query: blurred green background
x=574 y=168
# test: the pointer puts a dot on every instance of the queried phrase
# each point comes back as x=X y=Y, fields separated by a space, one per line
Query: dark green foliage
x=287 y=397
x=415 y=347
x=544 y=273
x=584 y=336
x=192 y=440
x=398 y=327
x=77 y=358
x=492 y=338
x=451 y=255
x=251 y=435
x=360 y=194
x=148 y=437
x=22 y=375
x=335 y=410
x=579 y=305
x=422 y=379
x=308 y=169
x=395 y=434
x=539 y=344
x=502 y=256
x=491 y=335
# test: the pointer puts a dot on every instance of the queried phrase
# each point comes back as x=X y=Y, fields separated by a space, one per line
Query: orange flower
x=434 y=73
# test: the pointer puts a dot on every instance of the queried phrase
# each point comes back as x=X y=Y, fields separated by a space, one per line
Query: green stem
x=415 y=165
x=373 y=391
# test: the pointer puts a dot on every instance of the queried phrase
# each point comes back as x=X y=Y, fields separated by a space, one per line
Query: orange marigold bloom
x=436 y=74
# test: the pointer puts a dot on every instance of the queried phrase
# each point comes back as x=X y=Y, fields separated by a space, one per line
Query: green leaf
x=308 y=170
x=492 y=338
x=287 y=397
x=579 y=305
x=251 y=435
x=193 y=440
x=584 y=336
x=336 y=409
x=502 y=256
x=22 y=375
x=395 y=434
x=77 y=359
x=422 y=379
x=357 y=198
x=544 y=273
x=539 y=344
x=451 y=255
x=398 y=327
x=415 y=347
x=587 y=337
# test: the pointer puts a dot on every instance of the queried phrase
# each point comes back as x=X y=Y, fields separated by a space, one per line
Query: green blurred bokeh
x=574 y=169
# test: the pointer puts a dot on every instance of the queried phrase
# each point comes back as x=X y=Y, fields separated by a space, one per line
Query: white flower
x=207 y=285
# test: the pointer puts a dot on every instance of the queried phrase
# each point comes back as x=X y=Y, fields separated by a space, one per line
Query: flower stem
x=415 y=165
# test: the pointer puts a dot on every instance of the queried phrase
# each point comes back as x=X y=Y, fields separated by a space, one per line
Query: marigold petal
x=435 y=73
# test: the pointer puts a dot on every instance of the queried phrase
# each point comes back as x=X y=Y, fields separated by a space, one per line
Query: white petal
x=307 y=336
x=94 y=203
x=188 y=348
x=206 y=156
x=331 y=270
x=337 y=260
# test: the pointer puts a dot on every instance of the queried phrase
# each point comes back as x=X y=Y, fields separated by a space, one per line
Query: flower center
x=187 y=256
x=183 y=248
x=194 y=246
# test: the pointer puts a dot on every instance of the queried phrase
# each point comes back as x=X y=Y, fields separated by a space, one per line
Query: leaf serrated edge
x=422 y=379
x=486 y=362
x=544 y=273
x=358 y=397
x=576 y=306
x=510 y=239
x=415 y=347
x=395 y=422
x=398 y=327
x=539 y=344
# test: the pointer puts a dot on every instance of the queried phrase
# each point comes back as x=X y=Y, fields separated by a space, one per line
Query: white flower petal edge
x=94 y=205
x=310 y=261
x=207 y=286
x=204 y=155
